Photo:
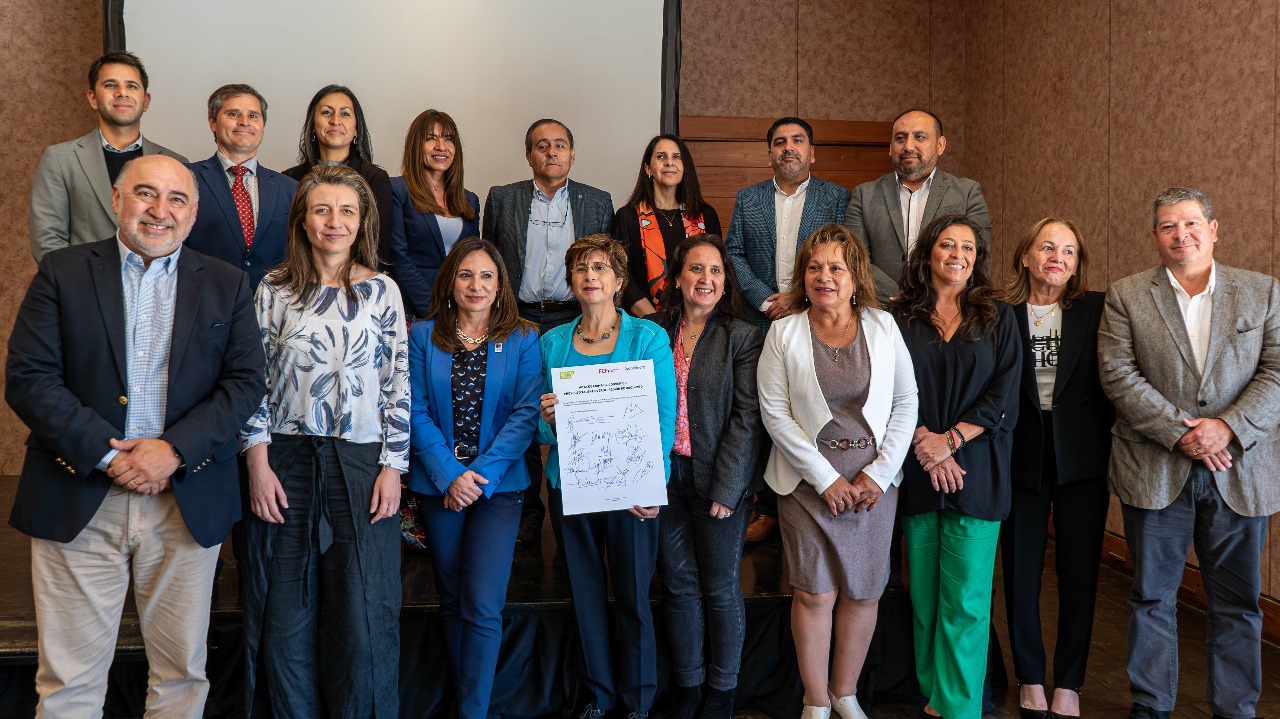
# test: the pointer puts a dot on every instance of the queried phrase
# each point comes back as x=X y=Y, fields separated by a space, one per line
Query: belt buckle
x=469 y=450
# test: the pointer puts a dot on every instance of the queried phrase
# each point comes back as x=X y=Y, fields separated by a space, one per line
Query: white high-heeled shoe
x=847 y=707
x=815 y=712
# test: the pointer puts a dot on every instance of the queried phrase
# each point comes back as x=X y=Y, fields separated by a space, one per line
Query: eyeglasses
x=596 y=267
x=550 y=222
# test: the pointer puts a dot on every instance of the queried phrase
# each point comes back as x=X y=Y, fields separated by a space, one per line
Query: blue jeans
x=1229 y=547
x=699 y=560
x=471 y=555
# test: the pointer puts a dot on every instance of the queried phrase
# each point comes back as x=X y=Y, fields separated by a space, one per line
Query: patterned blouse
x=469 y=370
x=336 y=367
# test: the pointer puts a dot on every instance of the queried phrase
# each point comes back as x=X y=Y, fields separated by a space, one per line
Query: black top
x=976 y=382
x=1082 y=414
x=380 y=183
x=467 y=383
x=626 y=229
x=116 y=160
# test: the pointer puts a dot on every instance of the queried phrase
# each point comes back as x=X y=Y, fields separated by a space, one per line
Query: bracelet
x=960 y=434
x=951 y=444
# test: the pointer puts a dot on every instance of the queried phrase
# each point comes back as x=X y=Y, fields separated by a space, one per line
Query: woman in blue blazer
x=596 y=268
x=430 y=209
x=475 y=374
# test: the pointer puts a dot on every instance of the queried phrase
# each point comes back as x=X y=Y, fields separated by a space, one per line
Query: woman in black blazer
x=431 y=210
x=335 y=133
x=1061 y=447
x=713 y=477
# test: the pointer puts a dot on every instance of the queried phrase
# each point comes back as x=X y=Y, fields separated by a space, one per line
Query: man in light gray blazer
x=1189 y=353
x=533 y=222
x=888 y=213
x=71 y=190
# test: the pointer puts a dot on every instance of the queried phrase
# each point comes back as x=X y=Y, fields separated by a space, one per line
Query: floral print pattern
x=336 y=367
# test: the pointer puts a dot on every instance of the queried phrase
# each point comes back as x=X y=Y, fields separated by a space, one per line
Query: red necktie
x=243 y=207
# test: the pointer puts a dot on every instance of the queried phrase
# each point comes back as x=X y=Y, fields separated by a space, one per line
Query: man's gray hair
x=1174 y=195
x=195 y=184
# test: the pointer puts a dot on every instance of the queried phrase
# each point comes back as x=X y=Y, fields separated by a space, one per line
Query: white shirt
x=1045 y=323
x=1196 y=313
x=787 y=210
x=913 y=207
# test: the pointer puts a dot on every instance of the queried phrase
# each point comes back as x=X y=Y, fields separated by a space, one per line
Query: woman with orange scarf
x=665 y=207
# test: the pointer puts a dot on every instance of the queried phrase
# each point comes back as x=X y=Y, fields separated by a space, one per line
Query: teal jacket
x=637 y=339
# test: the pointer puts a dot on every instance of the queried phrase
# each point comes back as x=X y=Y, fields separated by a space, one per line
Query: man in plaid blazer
x=772 y=218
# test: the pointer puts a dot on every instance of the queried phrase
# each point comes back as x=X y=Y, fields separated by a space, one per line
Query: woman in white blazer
x=838 y=397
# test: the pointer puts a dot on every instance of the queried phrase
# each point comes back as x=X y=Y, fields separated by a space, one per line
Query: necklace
x=693 y=337
x=1041 y=317
x=601 y=338
x=843 y=344
x=473 y=340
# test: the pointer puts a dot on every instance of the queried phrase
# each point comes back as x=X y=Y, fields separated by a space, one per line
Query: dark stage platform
x=539 y=666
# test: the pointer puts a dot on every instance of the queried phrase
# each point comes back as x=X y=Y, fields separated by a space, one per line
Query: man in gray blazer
x=71 y=190
x=1189 y=353
x=533 y=222
x=888 y=213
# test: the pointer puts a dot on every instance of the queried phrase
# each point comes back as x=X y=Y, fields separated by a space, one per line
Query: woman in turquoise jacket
x=596 y=267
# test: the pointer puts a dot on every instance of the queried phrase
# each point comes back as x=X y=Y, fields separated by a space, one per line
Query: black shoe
x=591 y=713
x=530 y=535
x=1142 y=711
x=719 y=704
x=638 y=715
x=1026 y=713
x=685 y=702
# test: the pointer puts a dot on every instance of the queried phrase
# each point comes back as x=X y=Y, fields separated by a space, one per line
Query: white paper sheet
x=610 y=444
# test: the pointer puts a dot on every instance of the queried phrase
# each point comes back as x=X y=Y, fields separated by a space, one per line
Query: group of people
x=841 y=364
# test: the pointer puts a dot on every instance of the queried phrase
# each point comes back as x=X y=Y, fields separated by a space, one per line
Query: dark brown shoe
x=762 y=527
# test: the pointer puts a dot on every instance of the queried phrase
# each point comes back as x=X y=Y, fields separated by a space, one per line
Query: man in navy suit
x=244 y=217
x=133 y=401
x=770 y=220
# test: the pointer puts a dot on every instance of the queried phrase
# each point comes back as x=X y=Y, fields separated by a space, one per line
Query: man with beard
x=888 y=212
x=133 y=398
x=71 y=190
x=244 y=218
x=770 y=220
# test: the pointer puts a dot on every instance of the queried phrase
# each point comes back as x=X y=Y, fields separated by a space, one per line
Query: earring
x=449 y=302
x=855 y=298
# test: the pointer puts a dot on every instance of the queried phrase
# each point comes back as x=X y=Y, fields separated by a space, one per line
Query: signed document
x=610 y=444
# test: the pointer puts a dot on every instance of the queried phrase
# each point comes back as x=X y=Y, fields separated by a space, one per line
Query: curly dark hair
x=918 y=299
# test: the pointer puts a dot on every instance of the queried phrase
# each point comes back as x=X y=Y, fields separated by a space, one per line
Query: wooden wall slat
x=737 y=153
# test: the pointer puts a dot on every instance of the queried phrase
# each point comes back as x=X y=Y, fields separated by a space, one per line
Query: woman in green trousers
x=956 y=487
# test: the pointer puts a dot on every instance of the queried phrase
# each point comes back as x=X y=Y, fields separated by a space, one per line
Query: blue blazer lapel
x=433 y=228
x=442 y=389
x=215 y=183
x=269 y=193
x=495 y=376
x=814 y=197
x=184 y=311
x=104 y=268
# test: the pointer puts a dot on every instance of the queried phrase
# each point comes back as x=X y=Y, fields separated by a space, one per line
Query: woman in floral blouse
x=320 y=571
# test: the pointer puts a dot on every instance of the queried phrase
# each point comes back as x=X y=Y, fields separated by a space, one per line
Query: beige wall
x=47 y=51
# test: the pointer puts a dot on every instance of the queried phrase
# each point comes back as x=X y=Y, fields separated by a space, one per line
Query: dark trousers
x=1229 y=547
x=471 y=555
x=700 y=560
x=534 y=510
x=330 y=616
x=629 y=546
x=1079 y=519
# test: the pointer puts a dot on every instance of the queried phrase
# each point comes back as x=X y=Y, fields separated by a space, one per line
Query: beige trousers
x=80 y=590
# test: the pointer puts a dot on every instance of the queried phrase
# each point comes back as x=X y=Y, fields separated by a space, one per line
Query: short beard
x=786 y=174
x=913 y=176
